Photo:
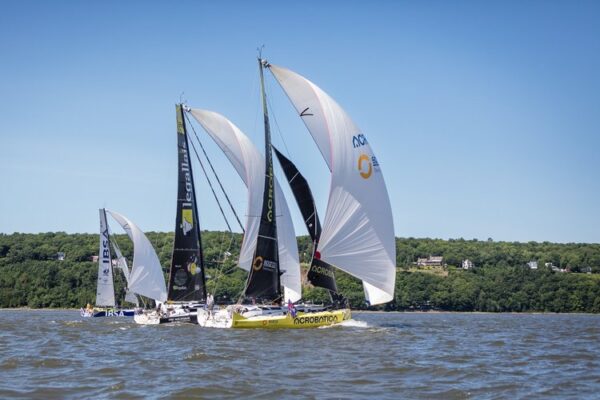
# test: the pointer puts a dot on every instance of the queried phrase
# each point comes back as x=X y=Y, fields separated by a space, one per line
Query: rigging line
x=214 y=173
x=210 y=184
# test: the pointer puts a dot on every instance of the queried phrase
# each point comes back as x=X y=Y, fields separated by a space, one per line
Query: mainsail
x=250 y=165
x=105 y=294
x=146 y=277
x=263 y=280
x=186 y=280
x=358 y=232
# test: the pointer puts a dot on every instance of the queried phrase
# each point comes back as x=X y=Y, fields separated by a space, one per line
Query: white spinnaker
x=358 y=232
x=250 y=165
x=105 y=292
x=146 y=277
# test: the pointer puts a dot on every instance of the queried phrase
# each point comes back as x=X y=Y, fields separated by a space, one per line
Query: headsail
x=250 y=165
x=146 y=277
x=320 y=273
x=122 y=264
x=358 y=232
x=186 y=280
x=105 y=294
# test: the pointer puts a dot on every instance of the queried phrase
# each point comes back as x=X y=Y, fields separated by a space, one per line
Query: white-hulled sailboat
x=187 y=287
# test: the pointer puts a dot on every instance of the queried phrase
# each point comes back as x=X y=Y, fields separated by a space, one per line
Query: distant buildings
x=532 y=264
x=467 y=264
x=431 y=261
x=60 y=256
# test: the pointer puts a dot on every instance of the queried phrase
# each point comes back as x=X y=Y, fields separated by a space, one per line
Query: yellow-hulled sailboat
x=357 y=237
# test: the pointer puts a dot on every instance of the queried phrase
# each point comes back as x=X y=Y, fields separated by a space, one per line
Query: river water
x=57 y=354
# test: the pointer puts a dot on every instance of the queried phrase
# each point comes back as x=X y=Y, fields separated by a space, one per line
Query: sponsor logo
x=270 y=200
x=269 y=265
x=319 y=270
x=330 y=319
x=187 y=220
x=257 y=264
x=115 y=313
x=359 y=140
x=180 y=279
x=365 y=167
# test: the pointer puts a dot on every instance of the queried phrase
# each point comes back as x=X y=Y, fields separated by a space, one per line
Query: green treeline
x=31 y=275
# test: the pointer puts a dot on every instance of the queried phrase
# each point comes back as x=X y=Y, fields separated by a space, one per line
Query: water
x=57 y=354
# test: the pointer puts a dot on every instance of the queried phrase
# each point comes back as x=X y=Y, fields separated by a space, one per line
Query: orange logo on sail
x=361 y=167
x=257 y=264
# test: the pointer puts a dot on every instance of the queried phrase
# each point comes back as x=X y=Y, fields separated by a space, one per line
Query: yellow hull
x=301 y=321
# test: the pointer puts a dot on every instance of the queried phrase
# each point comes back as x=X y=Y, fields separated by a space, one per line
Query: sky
x=484 y=116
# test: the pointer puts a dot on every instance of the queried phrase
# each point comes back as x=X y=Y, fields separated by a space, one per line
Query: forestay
x=250 y=165
x=358 y=232
x=146 y=277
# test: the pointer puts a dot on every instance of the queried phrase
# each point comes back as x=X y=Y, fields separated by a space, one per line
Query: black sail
x=186 y=280
x=320 y=274
x=264 y=278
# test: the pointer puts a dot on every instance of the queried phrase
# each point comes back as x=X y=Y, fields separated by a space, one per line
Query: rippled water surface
x=57 y=354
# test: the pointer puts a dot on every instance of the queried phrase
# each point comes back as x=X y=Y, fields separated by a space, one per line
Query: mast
x=105 y=294
x=264 y=278
x=186 y=279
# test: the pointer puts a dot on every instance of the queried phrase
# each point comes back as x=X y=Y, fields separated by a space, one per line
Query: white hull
x=177 y=313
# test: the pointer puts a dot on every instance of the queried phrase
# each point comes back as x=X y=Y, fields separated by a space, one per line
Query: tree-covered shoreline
x=31 y=275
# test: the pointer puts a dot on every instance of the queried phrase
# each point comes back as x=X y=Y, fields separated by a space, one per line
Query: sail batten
x=358 y=232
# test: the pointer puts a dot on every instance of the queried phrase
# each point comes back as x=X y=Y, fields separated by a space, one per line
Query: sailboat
x=364 y=221
x=187 y=284
x=250 y=166
x=105 y=294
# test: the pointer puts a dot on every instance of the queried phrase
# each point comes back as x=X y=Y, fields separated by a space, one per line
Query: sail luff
x=264 y=278
x=186 y=278
x=105 y=292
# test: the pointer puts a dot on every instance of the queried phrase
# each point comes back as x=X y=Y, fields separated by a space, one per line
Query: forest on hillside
x=33 y=273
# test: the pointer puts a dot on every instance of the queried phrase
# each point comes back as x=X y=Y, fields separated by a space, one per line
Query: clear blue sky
x=484 y=116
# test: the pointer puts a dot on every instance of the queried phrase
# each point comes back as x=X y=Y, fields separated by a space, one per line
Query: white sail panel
x=122 y=264
x=146 y=277
x=105 y=292
x=358 y=232
x=250 y=165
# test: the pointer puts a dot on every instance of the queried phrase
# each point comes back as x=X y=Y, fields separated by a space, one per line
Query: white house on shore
x=467 y=264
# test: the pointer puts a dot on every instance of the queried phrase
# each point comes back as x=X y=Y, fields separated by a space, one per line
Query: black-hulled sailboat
x=187 y=284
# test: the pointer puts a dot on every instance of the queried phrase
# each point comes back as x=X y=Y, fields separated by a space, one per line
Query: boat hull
x=302 y=320
x=110 y=312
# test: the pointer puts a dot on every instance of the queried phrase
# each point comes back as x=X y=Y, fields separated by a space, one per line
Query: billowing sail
x=250 y=165
x=122 y=264
x=358 y=232
x=320 y=273
x=186 y=280
x=146 y=277
x=105 y=294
